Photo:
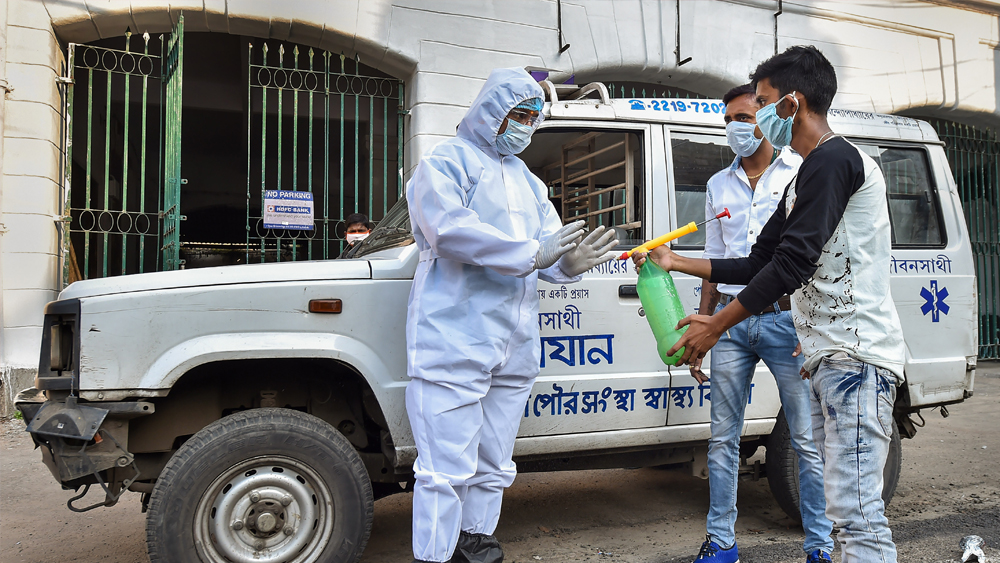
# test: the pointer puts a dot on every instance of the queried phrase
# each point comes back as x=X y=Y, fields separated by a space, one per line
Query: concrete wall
x=916 y=57
x=891 y=56
x=30 y=193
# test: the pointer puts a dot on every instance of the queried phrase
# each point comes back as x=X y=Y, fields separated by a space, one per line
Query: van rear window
x=913 y=204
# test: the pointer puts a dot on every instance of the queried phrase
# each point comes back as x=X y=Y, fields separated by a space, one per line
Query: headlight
x=61 y=345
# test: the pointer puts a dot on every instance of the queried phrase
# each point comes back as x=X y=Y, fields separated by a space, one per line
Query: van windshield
x=592 y=174
x=392 y=231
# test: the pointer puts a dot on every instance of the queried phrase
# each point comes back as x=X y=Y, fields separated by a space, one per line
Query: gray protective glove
x=558 y=243
x=593 y=250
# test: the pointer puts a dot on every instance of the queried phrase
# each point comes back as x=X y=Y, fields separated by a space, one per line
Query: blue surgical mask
x=741 y=138
x=776 y=130
x=515 y=138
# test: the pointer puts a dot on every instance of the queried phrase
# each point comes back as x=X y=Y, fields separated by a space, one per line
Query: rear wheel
x=782 y=465
x=265 y=485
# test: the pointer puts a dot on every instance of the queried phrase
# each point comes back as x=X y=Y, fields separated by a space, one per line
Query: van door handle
x=628 y=291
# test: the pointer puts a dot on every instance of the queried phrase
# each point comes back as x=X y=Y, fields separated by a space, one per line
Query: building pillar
x=30 y=192
x=5 y=380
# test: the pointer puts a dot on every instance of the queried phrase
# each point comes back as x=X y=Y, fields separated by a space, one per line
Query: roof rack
x=564 y=92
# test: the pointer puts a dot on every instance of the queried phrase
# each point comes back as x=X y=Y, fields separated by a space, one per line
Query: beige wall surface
x=918 y=57
x=891 y=55
x=29 y=186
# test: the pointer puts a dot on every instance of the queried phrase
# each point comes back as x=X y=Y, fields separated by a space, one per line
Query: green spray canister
x=663 y=309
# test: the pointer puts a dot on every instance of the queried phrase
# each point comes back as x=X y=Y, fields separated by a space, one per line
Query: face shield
x=531 y=118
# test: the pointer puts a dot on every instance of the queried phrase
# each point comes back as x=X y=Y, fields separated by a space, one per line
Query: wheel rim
x=270 y=509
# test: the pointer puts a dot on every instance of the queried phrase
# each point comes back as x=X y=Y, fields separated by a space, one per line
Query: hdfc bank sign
x=288 y=210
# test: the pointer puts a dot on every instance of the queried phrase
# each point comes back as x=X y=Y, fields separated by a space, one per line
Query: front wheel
x=264 y=485
x=782 y=465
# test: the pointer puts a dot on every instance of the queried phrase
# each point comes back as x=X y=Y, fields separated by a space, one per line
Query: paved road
x=950 y=487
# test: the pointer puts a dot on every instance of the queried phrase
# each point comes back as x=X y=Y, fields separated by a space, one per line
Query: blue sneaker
x=711 y=552
x=818 y=556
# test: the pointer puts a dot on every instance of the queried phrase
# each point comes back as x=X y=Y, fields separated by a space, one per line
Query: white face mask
x=741 y=138
x=356 y=237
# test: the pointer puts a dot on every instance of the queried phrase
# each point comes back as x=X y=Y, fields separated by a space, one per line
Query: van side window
x=696 y=158
x=594 y=175
x=913 y=205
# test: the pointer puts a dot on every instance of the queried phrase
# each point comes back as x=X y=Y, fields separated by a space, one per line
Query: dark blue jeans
x=769 y=337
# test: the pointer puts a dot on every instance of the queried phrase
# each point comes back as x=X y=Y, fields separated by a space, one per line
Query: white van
x=641 y=166
x=259 y=409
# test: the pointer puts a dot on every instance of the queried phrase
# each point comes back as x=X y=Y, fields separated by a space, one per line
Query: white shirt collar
x=784 y=153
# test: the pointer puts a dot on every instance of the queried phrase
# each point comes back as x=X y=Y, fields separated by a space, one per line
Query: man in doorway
x=828 y=242
x=358 y=229
x=751 y=189
x=486 y=232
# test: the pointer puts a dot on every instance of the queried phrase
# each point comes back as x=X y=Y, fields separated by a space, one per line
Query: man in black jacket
x=828 y=245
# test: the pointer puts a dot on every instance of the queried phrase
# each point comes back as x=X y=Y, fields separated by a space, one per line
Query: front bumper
x=79 y=441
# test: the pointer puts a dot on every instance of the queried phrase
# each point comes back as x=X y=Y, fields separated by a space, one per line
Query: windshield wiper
x=394 y=231
x=384 y=233
x=370 y=241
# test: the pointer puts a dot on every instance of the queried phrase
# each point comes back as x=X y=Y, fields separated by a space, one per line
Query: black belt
x=784 y=304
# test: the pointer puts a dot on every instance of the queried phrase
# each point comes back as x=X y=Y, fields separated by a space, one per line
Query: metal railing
x=173 y=80
x=642 y=90
x=319 y=122
x=114 y=159
x=974 y=156
x=315 y=121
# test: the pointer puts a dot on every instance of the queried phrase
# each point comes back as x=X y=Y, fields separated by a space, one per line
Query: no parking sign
x=288 y=210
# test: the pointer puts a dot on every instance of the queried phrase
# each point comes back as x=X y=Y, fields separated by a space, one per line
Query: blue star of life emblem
x=934 y=301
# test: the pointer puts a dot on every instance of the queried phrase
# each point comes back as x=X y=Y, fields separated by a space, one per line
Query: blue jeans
x=852 y=421
x=770 y=337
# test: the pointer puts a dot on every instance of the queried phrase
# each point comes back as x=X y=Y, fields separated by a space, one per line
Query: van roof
x=690 y=111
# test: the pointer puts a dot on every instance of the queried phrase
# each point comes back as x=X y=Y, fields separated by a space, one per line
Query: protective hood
x=504 y=89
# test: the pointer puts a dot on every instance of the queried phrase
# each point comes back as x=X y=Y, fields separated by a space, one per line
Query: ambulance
x=259 y=409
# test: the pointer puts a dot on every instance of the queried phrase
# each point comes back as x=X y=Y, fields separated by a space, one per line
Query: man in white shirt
x=751 y=189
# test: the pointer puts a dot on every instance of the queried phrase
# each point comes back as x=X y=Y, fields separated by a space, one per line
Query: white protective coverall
x=472 y=324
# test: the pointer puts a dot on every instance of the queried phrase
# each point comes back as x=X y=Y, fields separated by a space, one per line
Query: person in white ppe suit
x=486 y=232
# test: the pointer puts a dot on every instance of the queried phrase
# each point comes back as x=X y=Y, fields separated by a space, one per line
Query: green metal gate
x=322 y=123
x=115 y=165
x=173 y=79
x=974 y=156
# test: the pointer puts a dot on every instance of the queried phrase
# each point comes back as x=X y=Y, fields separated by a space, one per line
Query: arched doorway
x=170 y=157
